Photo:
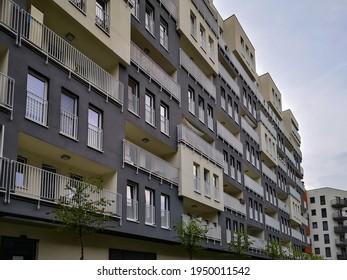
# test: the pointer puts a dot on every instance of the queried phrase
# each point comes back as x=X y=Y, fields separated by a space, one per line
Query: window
x=247 y=152
x=196 y=177
x=150 y=111
x=238 y=166
x=80 y=4
x=102 y=18
x=236 y=112
x=207 y=183
x=215 y=185
x=201 y=110
x=211 y=48
x=133 y=96
x=135 y=10
x=149 y=207
x=313 y=212
x=95 y=132
x=314 y=225
x=325 y=225
x=225 y=162
x=20 y=172
x=326 y=239
x=324 y=212
x=253 y=156
x=191 y=101
x=149 y=18
x=232 y=167
x=315 y=237
x=322 y=200
x=202 y=37
x=242 y=42
x=250 y=209
x=37 y=104
x=317 y=251
x=230 y=106
x=192 y=25
x=164 y=119
x=210 y=117
x=328 y=252
x=132 y=202
x=68 y=115
x=222 y=98
x=164 y=38
x=165 y=211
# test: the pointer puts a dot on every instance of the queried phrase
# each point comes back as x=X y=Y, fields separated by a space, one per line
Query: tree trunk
x=82 y=245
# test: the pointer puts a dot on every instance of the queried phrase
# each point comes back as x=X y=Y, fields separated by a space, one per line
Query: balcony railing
x=283 y=206
x=268 y=172
x=234 y=204
x=191 y=105
x=133 y=103
x=102 y=19
x=207 y=15
x=229 y=138
x=253 y=185
x=297 y=235
x=150 y=115
x=140 y=158
x=267 y=124
x=55 y=47
x=216 y=193
x=228 y=79
x=339 y=202
x=207 y=189
x=149 y=24
x=170 y=7
x=95 y=137
x=340 y=229
x=36 y=108
x=149 y=214
x=132 y=209
x=251 y=132
x=294 y=193
x=213 y=231
x=188 y=137
x=257 y=243
x=79 y=4
x=196 y=183
x=271 y=222
x=197 y=74
x=341 y=242
x=146 y=64
x=339 y=215
x=282 y=164
x=24 y=180
x=165 y=218
x=290 y=156
x=210 y=122
x=68 y=124
x=6 y=91
x=9 y=15
x=164 y=125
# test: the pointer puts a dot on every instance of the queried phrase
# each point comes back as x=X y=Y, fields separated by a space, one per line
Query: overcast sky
x=303 y=45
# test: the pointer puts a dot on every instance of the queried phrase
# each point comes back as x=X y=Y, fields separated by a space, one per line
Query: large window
x=37 y=104
x=150 y=111
x=164 y=38
x=210 y=117
x=201 y=110
x=95 y=132
x=164 y=119
x=193 y=24
x=202 y=37
x=191 y=100
x=133 y=96
x=196 y=177
x=132 y=201
x=149 y=18
x=68 y=115
x=102 y=18
x=165 y=211
x=135 y=10
x=149 y=207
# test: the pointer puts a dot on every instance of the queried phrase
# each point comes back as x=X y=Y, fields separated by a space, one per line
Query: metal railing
x=228 y=79
x=283 y=206
x=201 y=114
x=155 y=72
x=267 y=124
x=79 y=4
x=290 y=155
x=135 y=10
x=214 y=232
x=268 y=172
x=228 y=137
x=102 y=19
x=297 y=235
x=191 y=106
x=251 y=132
x=36 y=108
x=164 y=125
x=234 y=204
x=76 y=62
x=191 y=139
x=207 y=189
x=133 y=103
x=9 y=15
x=257 y=243
x=6 y=91
x=253 y=185
x=140 y=158
x=216 y=193
x=68 y=124
x=210 y=122
x=149 y=214
x=164 y=40
x=282 y=164
x=197 y=74
x=150 y=115
x=271 y=222
x=165 y=218
x=149 y=24
x=196 y=183
x=132 y=209
x=294 y=193
x=95 y=137
x=32 y=182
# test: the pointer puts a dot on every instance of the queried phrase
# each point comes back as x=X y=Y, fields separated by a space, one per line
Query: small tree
x=240 y=245
x=82 y=211
x=190 y=235
x=274 y=251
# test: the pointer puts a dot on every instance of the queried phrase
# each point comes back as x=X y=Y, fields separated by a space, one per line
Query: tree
x=190 y=235
x=275 y=251
x=83 y=210
x=240 y=245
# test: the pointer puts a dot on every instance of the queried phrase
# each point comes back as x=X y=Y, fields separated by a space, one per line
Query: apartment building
x=160 y=100
x=327 y=217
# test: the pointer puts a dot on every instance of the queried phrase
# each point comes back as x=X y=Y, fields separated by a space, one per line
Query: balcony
x=339 y=202
x=214 y=232
x=188 y=137
x=282 y=164
x=268 y=172
x=234 y=204
x=165 y=218
x=267 y=124
x=147 y=65
x=340 y=229
x=6 y=92
x=95 y=137
x=35 y=183
x=297 y=235
x=250 y=131
x=229 y=138
x=294 y=193
x=144 y=160
x=342 y=256
x=341 y=242
x=271 y=222
x=228 y=79
x=290 y=156
x=283 y=206
x=197 y=74
x=68 y=124
x=253 y=185
x=59 y=50
x=340 y=216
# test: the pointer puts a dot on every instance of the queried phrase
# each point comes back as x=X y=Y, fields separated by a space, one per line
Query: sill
x=217 y=200
x=150 y=32
x=198 y=192
x=95 y=149
x=150 y=225
x=208 y=196
x=152 y=125
x=166 y=228
x=166 y=48
x=133 y=221
x=201 y=47
x=194 y=37
x=103 y=30
x=41 y=124
x=67 y=136
x=134 y=113
x=166 y=134
x=212 y=60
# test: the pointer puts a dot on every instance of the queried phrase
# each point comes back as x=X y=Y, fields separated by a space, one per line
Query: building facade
x=327 y=218
x=161 y=101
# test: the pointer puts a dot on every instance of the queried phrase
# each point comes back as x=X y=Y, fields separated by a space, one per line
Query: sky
x=303 y=45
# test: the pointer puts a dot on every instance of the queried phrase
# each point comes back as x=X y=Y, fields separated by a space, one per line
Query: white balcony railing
x=155 y=72
x=257 y=243
x=214 y=232
x=149 y=214
x=290 y=156
x=197 y=74
x=6 y=91
x=191 y=105
x=36 y=108
x=228 y=235
x=271 y=222
x=269 y=173
x=9 y=15
x=296 y=234
x=190 y=138
x=132 y=209
x=216 y=193
x=228 y=79
x=76 y=62
x=140 y=158
x=165 y=218
x=281 y=163
x=79 y=4
x=196 y=183
x=253 y=185
x=68 y=124
x=234 y=204
x=133 y=103
x=29 y=181
x=210 y=122
x=228 y=137
x=102 y=19
x=95 y=137
x=251 y=132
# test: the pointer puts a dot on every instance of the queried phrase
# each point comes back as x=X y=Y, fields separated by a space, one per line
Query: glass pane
x=36 y=86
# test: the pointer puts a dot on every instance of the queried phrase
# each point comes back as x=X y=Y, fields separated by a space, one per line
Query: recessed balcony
x=339 y=202
x=340 y=216
x=229 y=138
x=272 y=223
x=234 y=204
x=254 y=186
x=214 y=231
x=340 y=229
